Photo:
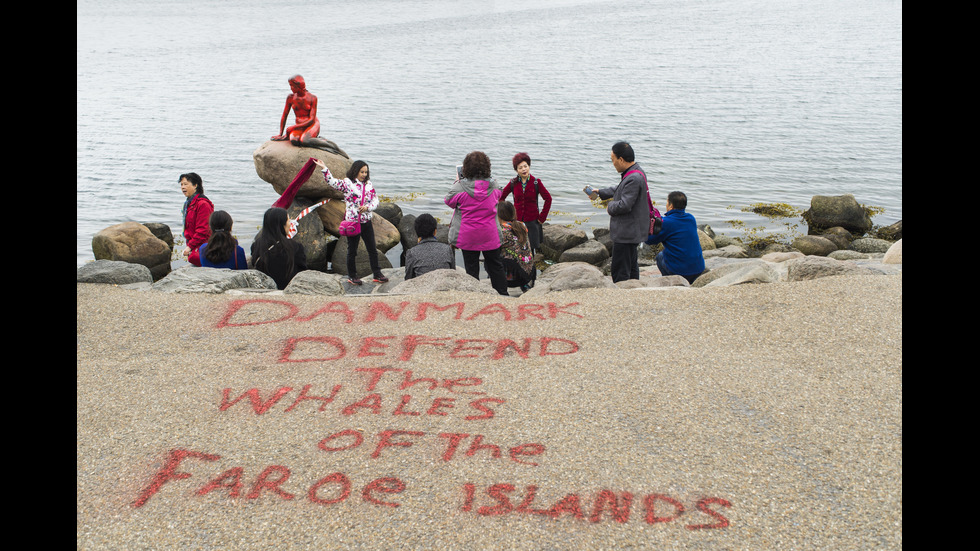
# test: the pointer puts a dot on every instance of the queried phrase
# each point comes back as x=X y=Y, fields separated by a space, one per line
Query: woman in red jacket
x=527 y=189
x=196 y=212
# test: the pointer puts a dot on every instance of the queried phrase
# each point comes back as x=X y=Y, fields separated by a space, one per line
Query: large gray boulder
x=814 y=267
x=591 y=252
x=738 y=273
x=848 y=254
x=406 y=231
x=113 y=272
x=442 y=280
x=722 y=241
x=278 y=162
x=817 y=245
x=135 y=243
x=707 y=242
x=870 y=245
x=558 y=239
x=312 y=282
x=569 y=275
x=733 y=250
x=192 y=279
x=602 y=236
x=390 y=212
x=827 y=211
x=162 y=231
x=841 y=237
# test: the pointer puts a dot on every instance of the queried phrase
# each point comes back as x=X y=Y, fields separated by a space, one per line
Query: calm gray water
x=731 y=101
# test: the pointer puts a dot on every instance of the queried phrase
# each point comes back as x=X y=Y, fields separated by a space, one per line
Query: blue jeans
x=662 y=266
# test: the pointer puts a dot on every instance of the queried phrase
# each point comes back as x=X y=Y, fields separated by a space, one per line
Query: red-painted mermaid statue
x=306 y=131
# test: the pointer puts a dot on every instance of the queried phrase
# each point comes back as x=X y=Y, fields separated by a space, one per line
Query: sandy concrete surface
x=750 y=417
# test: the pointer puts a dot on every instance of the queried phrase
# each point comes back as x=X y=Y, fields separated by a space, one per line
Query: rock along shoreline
x=571 y=261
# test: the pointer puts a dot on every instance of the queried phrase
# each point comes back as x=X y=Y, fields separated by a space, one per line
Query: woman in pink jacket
x=473 y=230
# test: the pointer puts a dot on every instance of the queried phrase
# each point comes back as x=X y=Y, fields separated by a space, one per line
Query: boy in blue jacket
x=682 y=253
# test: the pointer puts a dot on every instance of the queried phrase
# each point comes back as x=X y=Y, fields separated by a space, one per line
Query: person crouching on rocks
x=515 y=247
x=430 y=254
x=273 y=253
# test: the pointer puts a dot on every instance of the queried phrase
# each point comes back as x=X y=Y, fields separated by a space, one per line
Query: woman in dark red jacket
x=197 y=212
x=527 y=189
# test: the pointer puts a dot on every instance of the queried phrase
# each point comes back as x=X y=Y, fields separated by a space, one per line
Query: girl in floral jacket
x=361 y=200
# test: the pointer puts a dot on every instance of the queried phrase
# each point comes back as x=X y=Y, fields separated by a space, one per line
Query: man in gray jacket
x=430 y=254
x=629 y=212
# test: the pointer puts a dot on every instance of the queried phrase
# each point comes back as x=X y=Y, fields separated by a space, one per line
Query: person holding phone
x=361 y=200
x=527 y=190
x=473 y=229
x=629 y=211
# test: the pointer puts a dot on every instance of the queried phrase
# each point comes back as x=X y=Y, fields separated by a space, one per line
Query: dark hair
x=677 y=199
x=270 y=242
x=624 y=151
x=193 y=178
x=521 y=158
x=476 y=166
x=221 y=244
x=507 y=213
x=355 y=169
x=425 y=225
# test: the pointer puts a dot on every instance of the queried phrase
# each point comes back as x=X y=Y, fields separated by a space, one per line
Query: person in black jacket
x=273 y=253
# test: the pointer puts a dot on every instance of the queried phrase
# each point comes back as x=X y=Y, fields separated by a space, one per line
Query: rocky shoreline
x=582 y=263
x=838 y=243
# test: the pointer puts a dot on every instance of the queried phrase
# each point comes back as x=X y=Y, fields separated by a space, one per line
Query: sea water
x=733 y=102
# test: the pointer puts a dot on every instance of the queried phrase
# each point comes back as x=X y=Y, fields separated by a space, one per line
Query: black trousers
x=625 y=264
x=367 y=232
x=535 y=233
x=493 y=264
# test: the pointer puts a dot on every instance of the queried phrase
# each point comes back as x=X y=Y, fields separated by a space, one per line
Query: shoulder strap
x=649 y=201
